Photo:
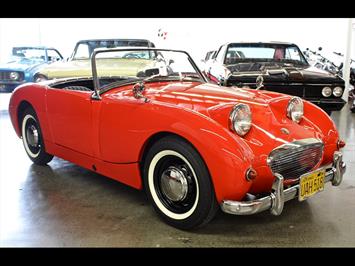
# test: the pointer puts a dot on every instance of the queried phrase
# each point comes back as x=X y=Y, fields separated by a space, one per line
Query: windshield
x=135 y=64
x=237 y=53
x=83 y=50
x=29 y=54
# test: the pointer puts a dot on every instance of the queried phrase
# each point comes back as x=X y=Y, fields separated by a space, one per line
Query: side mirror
x=171 y=61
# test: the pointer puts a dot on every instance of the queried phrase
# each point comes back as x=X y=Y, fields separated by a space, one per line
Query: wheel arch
x=225 y=169
x=158 y=136
x=37 y=74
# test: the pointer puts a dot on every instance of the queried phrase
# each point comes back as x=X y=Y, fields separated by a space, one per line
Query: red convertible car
x=195 y=147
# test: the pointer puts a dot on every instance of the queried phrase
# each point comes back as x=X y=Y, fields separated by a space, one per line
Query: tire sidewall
x=42 y=157
x=205 y=196
x=27 y=117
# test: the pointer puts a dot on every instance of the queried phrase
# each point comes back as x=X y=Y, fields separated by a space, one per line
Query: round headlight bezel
x=14 y=75
x=337 y=88
x=295 y=102
x=328 y=89
x=238 y=124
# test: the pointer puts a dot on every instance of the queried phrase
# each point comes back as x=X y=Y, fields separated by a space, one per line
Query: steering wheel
x=131 y=56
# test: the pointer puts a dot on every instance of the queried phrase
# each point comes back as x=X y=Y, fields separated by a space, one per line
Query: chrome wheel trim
x=24 y=136
x=174 y=184
x=162 y=208
x=32 y=136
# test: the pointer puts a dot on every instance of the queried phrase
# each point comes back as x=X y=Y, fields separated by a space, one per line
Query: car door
x=70 y=119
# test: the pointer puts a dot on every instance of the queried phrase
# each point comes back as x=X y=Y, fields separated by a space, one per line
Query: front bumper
x=9 y=86
x=332 y=104
x=275 y=201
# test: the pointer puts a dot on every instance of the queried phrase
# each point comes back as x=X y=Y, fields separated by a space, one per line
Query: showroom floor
x=65 y=205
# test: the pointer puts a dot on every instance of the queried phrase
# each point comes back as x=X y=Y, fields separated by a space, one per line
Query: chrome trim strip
x=275 y=201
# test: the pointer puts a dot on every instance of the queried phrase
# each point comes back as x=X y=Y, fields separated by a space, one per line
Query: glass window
x=293 y=53
x=82 y=51
x=242 y=52
x=53 y=55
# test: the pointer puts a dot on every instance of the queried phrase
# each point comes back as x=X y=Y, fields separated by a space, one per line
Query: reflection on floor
x=65 y=205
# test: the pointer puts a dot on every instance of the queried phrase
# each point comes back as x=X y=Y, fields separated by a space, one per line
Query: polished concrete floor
x=64 y=205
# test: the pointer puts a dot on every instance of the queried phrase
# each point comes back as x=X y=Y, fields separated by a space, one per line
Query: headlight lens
x=14 y=75
x=337 y=91
x=295 y=109
x=240 y=119
x=327 y=91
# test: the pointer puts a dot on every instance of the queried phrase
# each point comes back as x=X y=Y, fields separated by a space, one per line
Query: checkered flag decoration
x=162 y=34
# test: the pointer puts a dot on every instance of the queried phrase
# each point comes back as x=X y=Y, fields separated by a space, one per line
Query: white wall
x=197 y=36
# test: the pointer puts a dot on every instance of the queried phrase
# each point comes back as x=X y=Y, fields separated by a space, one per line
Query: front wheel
x=32 y=138
x=40 y=77
x=178 y=184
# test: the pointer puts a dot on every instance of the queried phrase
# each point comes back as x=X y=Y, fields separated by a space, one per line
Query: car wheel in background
x=39 y=78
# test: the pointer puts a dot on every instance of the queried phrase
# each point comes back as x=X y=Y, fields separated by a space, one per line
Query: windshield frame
x=267 y=45
x=72 y=56
x=97 y=90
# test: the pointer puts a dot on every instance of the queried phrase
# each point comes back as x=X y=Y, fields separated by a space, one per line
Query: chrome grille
x=296 y=158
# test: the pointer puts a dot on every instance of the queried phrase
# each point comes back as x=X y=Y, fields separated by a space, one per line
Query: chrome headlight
x=295 y=109
x=327 y=91
x=240 y=119
x=14 y=75
x=337 y=91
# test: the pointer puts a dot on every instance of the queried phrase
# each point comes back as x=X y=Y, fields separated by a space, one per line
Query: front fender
x=35 y=95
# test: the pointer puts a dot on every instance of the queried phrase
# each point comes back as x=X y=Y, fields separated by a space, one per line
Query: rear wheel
x=178 y=184
x=32 y=138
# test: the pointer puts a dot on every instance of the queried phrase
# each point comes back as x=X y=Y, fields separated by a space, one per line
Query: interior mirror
x=319 y=48
x=171 y=61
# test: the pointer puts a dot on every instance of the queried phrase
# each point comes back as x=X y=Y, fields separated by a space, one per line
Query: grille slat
x=296 y=158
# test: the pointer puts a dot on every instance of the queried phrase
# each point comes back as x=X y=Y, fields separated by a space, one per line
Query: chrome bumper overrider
x=275 y=201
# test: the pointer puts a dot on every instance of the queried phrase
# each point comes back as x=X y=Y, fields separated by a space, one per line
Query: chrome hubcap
x=174 y=184
x=32 y=136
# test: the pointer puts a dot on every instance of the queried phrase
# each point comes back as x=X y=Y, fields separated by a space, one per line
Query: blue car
x=24 y=64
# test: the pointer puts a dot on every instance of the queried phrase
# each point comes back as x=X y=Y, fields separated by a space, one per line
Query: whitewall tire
x=32 y=138
x=178 y=184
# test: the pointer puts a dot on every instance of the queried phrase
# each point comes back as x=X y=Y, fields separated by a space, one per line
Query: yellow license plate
x=311 y=184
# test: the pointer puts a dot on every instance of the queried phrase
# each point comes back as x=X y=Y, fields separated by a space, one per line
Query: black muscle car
x=275 y=66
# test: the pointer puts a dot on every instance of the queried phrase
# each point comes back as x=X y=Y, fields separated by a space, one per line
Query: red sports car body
x=121 y=135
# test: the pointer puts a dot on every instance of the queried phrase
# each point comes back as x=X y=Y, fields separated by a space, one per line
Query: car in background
x=276 y=66
x=193 y=146
x=78 y=65
x=24 y=63
x=351 y=101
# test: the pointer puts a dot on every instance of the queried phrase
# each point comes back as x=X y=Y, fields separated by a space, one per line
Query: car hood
x=268 y=108
x=286 y=74
x=21 y=65
x=82 y=68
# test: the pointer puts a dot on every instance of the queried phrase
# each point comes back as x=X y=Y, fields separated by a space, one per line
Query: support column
x=347 y=56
